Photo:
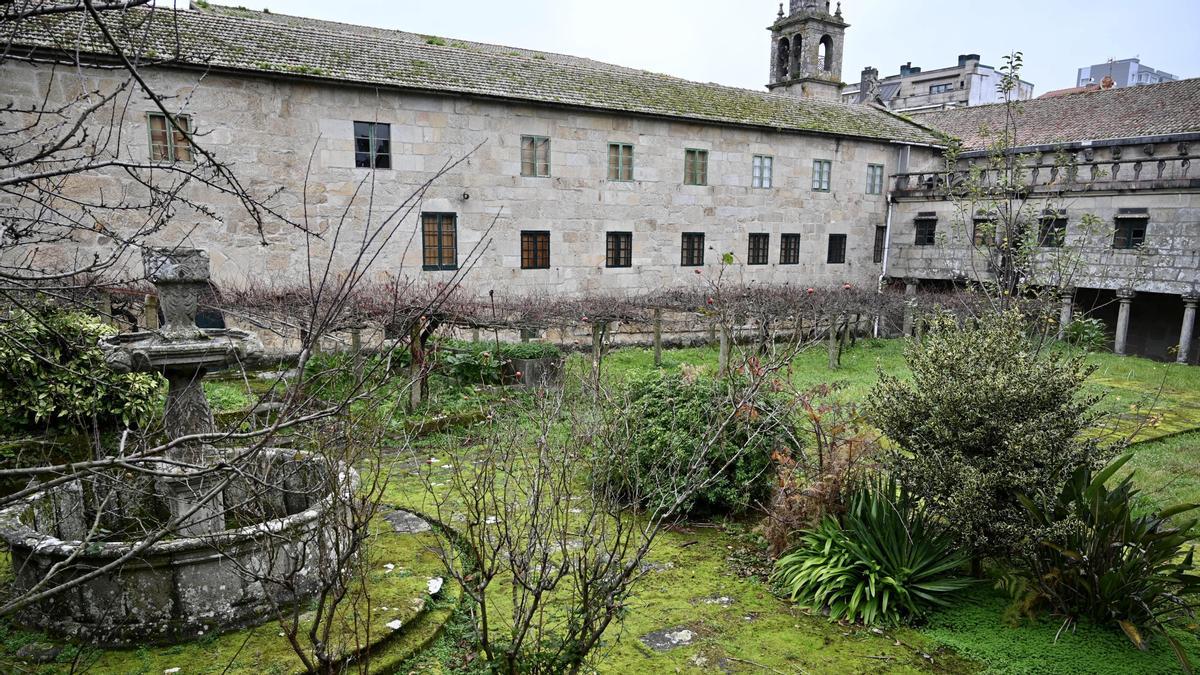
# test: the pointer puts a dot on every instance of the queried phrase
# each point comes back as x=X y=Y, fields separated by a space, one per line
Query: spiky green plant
x=1100 y=561
x=884 y=563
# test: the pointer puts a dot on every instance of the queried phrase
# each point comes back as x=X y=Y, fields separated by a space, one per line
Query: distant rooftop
x=237 y=39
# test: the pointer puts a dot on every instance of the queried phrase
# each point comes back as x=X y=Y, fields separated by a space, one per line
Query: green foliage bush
x=482 y=362
x=1087 y=334
x=677 y=441
x=886 y=562
x=1099 y=561
x=986 y=416
x=53 y=374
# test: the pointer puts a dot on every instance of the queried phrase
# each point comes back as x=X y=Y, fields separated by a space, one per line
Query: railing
x=1112 y=174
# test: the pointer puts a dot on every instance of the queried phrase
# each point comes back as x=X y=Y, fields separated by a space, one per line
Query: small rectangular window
x=168 y=143
x=837 y=249
x=789 y=249
x=822 y=169
x=880 y=243
x=695 y=167
x=620 y=161
x=941 y=88
x=760 y=247
x=535 y=156
x=874 y=179
x=1053 y=230
x=619 y=249
x=762 y=170
x=535 y=249
x=372 y=145
x=926 y=229
x=439 y=241
x=983 y=230
x=1131 y=228
x=692 y=250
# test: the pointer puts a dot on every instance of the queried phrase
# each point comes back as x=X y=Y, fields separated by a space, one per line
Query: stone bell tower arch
x=806 y=50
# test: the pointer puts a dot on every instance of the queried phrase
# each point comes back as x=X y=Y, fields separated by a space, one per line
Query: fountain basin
x=182 y=588
x=210 y=348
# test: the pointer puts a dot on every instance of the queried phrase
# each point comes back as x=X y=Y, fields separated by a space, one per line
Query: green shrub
x=886 y=562
x=529 y=350
x=1099 y=561
x=678 y=442
x=987 y=415
x=1087 y=334
x=482 y=362
x=53 y=374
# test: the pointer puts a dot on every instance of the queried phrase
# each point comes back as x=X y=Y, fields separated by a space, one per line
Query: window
x=1053 y=231
x=761 y=172
x=837 y=249
x=619 y=249
x=620 y=161
x=535 y=249
x=926 y=223
x=822 y=168
x=168 y=144
x=874 y=179
x=439 y=240
x=983 y=229
x=372 y=145
x=535 y=156
x=1131 y=228
x=880 y=243
x=941 y=88
x=692 y=251
x=825 y=53
x=695 y=167
x=760 y=246
x=789 y=249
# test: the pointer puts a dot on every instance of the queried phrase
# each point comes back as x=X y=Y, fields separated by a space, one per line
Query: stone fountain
x=238 y=543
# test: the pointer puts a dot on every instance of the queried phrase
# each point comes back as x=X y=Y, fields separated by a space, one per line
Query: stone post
x=723 y=354
x=150 y=313
x=1125 y=298
x=1067 y=298
x=1189 y=321
x=657 y=338
x=910 y=305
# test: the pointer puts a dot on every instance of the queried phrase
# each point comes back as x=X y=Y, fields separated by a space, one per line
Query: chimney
x=905 y=69
x=964 y=59
x=868 y=85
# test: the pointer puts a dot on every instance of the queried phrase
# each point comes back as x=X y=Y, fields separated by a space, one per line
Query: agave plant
x=885 y=562
x=1100 y=561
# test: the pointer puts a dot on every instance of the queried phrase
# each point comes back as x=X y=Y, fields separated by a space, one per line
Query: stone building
x=584 y=176
x=913 y=89
x=1121 y=217
x=1123 y=73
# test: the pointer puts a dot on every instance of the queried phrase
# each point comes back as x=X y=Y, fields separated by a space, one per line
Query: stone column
x=1185 y=332
x=1125 y=298
x=910 y=305
x=1067 y=297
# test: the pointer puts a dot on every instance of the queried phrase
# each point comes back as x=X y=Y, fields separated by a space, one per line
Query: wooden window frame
x=822 y=177
x=623 y=170
x=758 y=248
x=762 y=172
x=535 y=167
x=836 y=252
x=1131 y=229
x=691 y=255
x=1052 y=229
x=880 y=246
x=373 y=153
x=172 y=141
x=537 y=257
x=925 y=230
x=695 y=166
x=620 y=254
x=979 y=235
x=874 y=179
x=440 y=256
x=789 y=248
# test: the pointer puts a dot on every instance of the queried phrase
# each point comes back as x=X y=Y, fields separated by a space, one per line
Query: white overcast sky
x=726 y=41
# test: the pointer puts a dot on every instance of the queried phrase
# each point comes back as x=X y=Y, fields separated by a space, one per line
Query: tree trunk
x=657 y=338
x=723 y=356
x=832 y=343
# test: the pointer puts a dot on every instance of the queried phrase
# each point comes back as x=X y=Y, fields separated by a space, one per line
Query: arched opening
x=825 y=53
x=783 y=58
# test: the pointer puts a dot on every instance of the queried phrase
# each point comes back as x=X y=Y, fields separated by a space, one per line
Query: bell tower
x=806 y=50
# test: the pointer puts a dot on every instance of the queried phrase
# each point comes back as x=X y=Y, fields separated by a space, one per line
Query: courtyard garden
x=737 y=509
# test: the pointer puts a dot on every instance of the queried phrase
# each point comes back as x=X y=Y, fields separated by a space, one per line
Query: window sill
x=439 y=268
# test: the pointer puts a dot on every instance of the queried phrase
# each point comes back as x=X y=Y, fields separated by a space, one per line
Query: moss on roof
x=236 y=38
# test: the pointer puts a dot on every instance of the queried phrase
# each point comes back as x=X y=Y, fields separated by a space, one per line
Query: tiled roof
x=1128 y=112
x=234 y=38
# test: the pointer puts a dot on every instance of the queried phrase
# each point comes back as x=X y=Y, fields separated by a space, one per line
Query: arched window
x=783 y=58
x=825 y=53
